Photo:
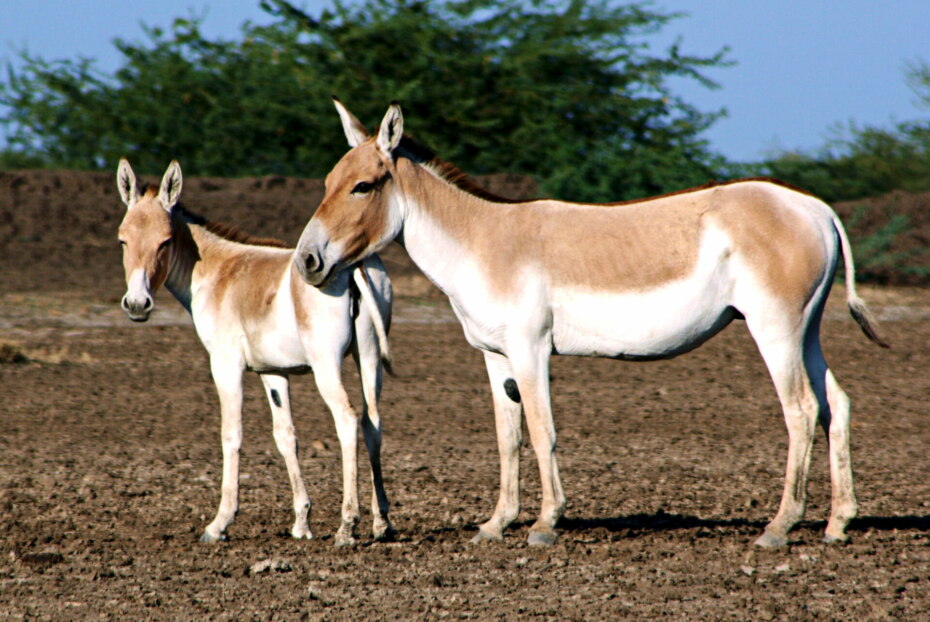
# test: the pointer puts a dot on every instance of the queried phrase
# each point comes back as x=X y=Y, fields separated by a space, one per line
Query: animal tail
x=377 y=320
x=857 y=306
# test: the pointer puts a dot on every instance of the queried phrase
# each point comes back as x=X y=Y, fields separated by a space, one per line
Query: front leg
x=507 y=422
x=276 y=389
x=530 y=362
x=227 y=375
x=329 y=383
x=368 y=360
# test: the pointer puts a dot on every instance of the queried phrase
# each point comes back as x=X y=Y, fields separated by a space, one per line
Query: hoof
x=208 y=538
x=769 y=540
x=542 y=538
x=301 y=534
x=483 y=536
x=383 y=533
x=345 y=539
x=832 y=539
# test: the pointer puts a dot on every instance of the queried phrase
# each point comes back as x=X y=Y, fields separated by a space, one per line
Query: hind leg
x=784 y=355
x=835 y=422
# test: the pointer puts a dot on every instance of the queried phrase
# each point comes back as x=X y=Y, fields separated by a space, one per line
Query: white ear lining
x=126 y=183
x=171 y=183
x=355 y=132
x=391 y=129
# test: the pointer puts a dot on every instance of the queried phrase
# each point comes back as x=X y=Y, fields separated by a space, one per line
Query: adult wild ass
x=640 y=280
x=252 y=311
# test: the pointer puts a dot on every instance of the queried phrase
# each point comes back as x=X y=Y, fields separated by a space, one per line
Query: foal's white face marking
x=145 y=235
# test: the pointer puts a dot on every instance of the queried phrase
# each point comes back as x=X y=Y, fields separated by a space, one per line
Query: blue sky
x=803 y=65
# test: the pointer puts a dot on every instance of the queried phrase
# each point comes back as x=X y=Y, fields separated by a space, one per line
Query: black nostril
x=124 y=304
x=312 y=263
x=149 y=303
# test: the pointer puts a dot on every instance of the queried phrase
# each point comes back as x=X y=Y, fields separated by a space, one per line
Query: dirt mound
x=891 y=237
x=58 y=228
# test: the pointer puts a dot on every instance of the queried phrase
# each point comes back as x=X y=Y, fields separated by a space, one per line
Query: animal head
x=146 y=235
x=361 y=210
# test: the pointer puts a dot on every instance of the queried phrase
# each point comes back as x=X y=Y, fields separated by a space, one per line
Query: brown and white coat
x=252 y=311
x=638 y=280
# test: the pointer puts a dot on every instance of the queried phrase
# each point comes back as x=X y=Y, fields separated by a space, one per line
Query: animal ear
x=170 y=186
x=391 y=129
x=126 y=183
x=356 y=133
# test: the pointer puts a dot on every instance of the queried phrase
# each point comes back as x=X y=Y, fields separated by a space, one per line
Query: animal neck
x=441 y=222
x=185 y=253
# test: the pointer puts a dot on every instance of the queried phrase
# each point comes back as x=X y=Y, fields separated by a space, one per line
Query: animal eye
x=363 y=187
x=122 y=243
x=164 y=244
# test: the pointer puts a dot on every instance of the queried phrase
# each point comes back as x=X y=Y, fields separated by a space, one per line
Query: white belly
x=654 y=323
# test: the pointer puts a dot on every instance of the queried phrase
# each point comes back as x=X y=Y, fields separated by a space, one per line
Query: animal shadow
x=661 y=521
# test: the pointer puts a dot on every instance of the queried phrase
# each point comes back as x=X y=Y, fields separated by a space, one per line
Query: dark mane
x=448 y=172
x=229 y=232
x=225 y=231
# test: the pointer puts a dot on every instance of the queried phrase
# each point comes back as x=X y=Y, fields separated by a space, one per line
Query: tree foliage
x=566 y=90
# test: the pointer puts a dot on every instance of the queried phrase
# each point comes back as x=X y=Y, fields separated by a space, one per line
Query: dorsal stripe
x=448 y=172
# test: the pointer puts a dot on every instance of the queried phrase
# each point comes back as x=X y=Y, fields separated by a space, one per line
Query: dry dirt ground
x=110 y=461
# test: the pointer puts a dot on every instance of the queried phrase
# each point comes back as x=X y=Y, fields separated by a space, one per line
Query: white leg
x=228 y=380
x=276 y=390
x=531 y=369
x=368 y=361
x=783 y=354
x=329 y=383
x=836 y=424
x=507 y=421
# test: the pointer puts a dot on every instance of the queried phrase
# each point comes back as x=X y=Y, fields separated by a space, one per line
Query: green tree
x=566 y=90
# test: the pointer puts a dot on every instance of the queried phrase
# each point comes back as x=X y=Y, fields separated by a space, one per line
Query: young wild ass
x=641 y=280
x=252 y=311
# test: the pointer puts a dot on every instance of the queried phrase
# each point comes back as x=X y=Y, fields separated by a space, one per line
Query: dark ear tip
x=336 y=99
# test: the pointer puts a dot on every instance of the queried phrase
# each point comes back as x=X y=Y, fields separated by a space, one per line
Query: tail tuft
x=857 y=306
x=866 y=321
x=388 y=363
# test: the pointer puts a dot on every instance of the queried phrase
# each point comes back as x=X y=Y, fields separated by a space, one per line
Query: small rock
x=278 y=565
x=314 y=592
x=259 y=567
x=747 y=570
x=783 y=567
x=522 y=561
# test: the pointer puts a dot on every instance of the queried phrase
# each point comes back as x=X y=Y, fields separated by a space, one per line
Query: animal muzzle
x=138 y=309
x=310 y=258
x=311 y=267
